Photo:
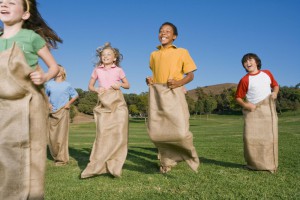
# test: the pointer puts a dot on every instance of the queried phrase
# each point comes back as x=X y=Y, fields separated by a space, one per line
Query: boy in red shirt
x=261 y=123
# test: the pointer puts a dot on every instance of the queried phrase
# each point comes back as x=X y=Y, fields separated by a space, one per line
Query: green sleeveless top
x=30 y=43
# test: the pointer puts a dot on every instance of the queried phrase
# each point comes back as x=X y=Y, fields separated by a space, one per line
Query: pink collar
x=102 y=66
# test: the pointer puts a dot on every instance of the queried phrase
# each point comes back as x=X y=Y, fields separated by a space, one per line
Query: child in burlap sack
x=111 y=115
x=168 y=121
x=23 y=106
x=61 y=96
x=261 y=123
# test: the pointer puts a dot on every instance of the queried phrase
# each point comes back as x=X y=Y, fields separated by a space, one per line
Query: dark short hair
x=172 y=25
x=254 y=56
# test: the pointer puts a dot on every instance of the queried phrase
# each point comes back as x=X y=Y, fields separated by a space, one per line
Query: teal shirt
x=29 y=41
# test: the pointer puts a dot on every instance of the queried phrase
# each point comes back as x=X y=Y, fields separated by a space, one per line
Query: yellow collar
x=161 y=47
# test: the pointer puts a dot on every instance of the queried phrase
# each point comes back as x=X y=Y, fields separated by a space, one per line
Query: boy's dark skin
x=166 y=37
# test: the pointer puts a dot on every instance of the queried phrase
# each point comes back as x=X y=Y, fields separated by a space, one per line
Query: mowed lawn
x=219 y=143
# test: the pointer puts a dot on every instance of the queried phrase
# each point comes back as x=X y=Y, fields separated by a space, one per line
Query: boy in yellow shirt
x=168 y=123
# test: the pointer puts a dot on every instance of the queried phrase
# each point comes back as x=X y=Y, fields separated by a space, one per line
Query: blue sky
x=217 y=34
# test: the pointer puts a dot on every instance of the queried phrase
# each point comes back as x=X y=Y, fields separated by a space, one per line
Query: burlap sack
x=23 y=128
x=58 y=137
x=111 y=143
x=261 y=136
x=168 y=126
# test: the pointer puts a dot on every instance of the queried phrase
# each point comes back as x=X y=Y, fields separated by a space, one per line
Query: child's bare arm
x=125 y=84
x=91 y=85
x=174 y=84
x=246 y=105
x=38 y=77
x=275 y=92
x=68 y=105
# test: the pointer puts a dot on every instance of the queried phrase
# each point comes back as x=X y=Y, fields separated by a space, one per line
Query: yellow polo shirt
x=170 y=63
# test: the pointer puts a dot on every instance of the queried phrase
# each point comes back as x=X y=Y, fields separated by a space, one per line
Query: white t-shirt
x=256 y=87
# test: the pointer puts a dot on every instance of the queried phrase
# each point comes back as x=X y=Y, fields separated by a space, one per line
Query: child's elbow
x=190 y=76
x=91 y=89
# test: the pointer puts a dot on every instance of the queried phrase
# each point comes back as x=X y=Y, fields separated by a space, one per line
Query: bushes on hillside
x=204 y=103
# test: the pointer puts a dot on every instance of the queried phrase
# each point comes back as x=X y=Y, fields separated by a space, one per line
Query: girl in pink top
x=111 y=115
x=107 y=70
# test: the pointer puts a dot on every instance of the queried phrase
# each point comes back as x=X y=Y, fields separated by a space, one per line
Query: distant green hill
x=212 y=89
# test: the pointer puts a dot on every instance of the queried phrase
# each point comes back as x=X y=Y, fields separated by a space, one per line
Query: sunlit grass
x=218 y=140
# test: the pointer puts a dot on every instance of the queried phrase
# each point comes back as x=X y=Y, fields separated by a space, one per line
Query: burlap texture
x=111 y=143
x=168 y=126
x=58 y=137
x=23 y=128
x=261 y=136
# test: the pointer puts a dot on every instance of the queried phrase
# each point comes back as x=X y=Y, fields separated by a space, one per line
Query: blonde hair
x=63 y=72
x=118 y=55
x=27 y=6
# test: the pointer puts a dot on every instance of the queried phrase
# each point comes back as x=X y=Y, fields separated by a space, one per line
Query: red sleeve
x=273 y=81
x=242 y=87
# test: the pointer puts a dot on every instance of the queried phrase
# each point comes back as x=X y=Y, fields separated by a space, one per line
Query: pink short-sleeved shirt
x=107 y=77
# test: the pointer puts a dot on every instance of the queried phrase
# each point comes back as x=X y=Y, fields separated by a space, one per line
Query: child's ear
x=26 y=15
x=174 y=37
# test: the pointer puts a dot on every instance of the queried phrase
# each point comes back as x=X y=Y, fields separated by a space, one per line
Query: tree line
x=204 y=103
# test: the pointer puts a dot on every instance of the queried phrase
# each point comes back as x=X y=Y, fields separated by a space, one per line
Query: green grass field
x=218 y=140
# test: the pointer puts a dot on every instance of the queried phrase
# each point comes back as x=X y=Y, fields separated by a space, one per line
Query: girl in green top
x=24 y=26
x=23 y=105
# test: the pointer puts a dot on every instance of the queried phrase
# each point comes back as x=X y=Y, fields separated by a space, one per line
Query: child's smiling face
x=166 y=35
x=108 y=57
x=12 y=12
x=251 y=66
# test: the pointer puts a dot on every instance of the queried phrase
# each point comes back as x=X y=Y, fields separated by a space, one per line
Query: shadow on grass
x=220 y=163
x=81 y=156
x=49 y=157
x=97 y=175
x=152 y=149
x=195 y=124
x=144 y=161
x=137 y=120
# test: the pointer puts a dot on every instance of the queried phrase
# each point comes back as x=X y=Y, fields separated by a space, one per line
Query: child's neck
x=10 y=31
x=108 y=65
x=167 y=45
x=58 y=79
x=254 y=72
